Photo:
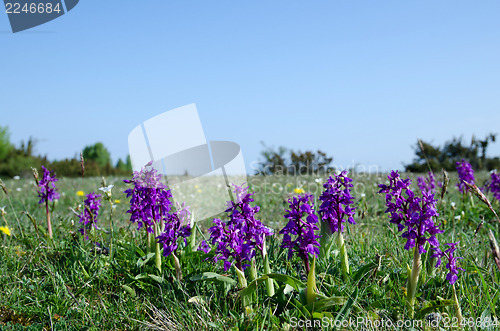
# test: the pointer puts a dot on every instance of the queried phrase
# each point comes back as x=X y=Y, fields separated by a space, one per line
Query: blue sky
x=360 y=80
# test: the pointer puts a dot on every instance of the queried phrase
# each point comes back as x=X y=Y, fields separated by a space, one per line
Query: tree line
x=18 y=160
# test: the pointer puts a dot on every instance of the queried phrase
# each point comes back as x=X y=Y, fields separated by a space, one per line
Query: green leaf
x=199 y=300
x=293 y=282
x=156 y=278
x=212 y=277
x=324 y=304
x=85 y=273
x=129 y=290
x=143 y=260
x=141 y=276
x=433 y=306
x=346 y=309
x=297 y=284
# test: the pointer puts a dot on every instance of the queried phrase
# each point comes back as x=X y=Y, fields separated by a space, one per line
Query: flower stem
x=148 y=242
x=252 y=275
x=413 y=280
x=177 y=265
x=242 y=282
x=157 y=248
x=49 y=226
x=343 y=254
x=311 y=283
x=325 y=241
x=111 y=229
x=267 y=270
x=457 y=305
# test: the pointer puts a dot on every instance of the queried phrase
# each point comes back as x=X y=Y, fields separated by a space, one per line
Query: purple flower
x=412 y=214
x=427 y=183
x=150 y=199
x=176 y=226
x=90 y=213
x=494 y=185
x=451 y=264
x=302 y=224
x=47 y=187
x=204 y=247
x=465 y=173
x=337 y=200
x=237 y=239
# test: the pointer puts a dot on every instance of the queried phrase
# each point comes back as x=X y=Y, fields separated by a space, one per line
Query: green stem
x=5 y=220
x=111 y=229
x=267 y=271
x=242 y=282
x=457 y=306
x=177 y=265
x=157 y=249
x=325 y=241
x=311 y=282
x=252 y=273
x=150 y=242
x=49 y=225
x=413 y=280
x=343 y=254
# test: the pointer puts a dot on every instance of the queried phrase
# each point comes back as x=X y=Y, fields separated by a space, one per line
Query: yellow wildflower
x=298 y=190
x=5 y=230
x=117 y=201
x=80 y=193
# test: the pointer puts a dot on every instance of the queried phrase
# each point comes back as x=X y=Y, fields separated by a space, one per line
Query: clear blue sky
x=360 y=80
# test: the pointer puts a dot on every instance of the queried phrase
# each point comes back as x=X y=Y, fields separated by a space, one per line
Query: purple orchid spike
x=237 y=239
x=90 y=213
x=47 y=188
x=412 y=214
x=451 y=264
x=302 y=224
x=336 y=202
x=465 y=173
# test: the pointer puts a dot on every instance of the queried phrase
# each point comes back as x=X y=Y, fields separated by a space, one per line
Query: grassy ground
x=70 y=284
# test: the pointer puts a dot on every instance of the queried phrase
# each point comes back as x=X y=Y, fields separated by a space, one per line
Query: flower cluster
x=90 y=213
x=494 y=185
x=451 y=264
x=465 y=173
x=47 y=187
x=176 y=226
x=302 y=224
x=150 y=199
x=240 y=235
x=427 y=183
x=336 y=202
x=410 y=213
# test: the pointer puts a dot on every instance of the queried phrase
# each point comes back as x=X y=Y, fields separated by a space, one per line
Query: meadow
x=69 y=282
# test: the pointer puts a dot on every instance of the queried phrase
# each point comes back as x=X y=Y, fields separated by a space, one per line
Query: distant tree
x=5 y=145
x=97 y=153
x=435 y=157
x=285 y=161
x=122 y=166
x=274 y=162
x=27 y=149
x=309 y=163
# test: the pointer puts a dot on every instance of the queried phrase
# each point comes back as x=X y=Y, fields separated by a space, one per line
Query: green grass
x=68 y=284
